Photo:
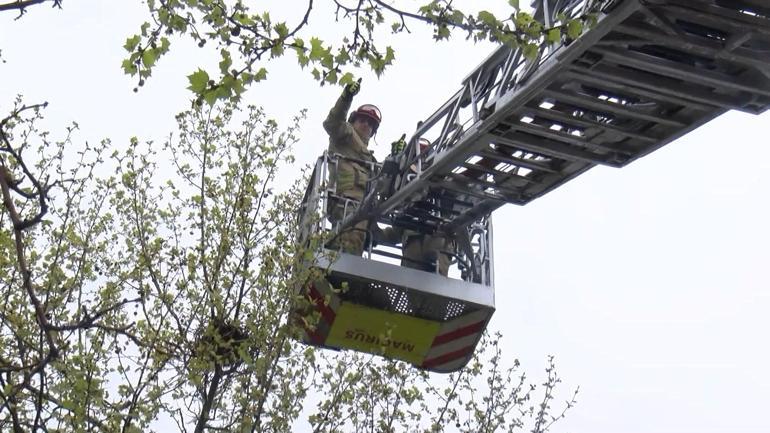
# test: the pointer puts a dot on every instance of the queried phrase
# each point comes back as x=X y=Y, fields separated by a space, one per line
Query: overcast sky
x=649 y=284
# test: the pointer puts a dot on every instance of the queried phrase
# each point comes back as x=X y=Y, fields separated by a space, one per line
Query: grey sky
x=650 y=283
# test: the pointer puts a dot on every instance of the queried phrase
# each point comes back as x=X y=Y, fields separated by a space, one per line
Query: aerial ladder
x=647 y=73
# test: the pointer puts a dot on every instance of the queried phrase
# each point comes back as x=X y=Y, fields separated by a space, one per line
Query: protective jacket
x=419 y=250
x=350 y=175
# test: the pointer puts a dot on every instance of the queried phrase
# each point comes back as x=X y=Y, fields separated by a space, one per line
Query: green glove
x=353 y=88
x=398 y=146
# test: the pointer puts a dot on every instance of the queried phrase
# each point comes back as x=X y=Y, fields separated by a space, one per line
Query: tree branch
x=22 y=5
x=208 y=401
x=89 y=320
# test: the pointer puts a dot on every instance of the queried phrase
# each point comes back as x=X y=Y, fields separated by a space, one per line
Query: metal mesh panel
x=454 y=309
x=397 y=299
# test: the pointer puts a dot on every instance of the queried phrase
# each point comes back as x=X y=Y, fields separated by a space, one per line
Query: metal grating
x=399 y=299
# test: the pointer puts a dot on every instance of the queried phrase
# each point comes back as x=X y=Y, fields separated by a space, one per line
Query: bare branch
x=22 y=5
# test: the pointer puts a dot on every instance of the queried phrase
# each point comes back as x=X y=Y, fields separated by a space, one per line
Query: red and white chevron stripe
x=326 y=303
x=455 y=342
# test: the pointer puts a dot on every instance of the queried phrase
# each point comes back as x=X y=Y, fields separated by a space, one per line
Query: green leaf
x=224 y=90
x=226 y=62
x=234 y=85
x=342 y=57
x=301 y=57
x=164 y=45
x=390 y=55
x=574 y=29
x=377 y=64
x=149 y=56
x=211 y=96
x=260 y=75
x=347 y=78
x=553 y=36
x=178 y=23
x=530 y=51
x=276 y=51
x=132 y=43
x=592 y=20
x=244 y=20
x=487 y=18
x=514 y=4
x=508 y=39
x=535 y=29
x=129 y=68
x=316 y=49
x=282 y=30
x=198 y=81
x=523 y=20
x=442 y=32
x=299 y=48
x=327 y=61
x=457 y=17
x=331 y=76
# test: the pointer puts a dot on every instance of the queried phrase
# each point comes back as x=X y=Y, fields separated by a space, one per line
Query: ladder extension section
x=647 y=73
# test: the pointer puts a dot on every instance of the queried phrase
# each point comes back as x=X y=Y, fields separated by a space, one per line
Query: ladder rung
x=551 y=148
x=558 y=115
x=485 y=184
x=454 y=200
x=688 y=43
x=454 y=186
x=477 y=212
x=734 y=42
x=718 y=16
x=664 y=84
x=567 y=138
x=655 y=94
x=384 y=253
x=661 y=66
x=498 y=174
x=408 y=223
x=423 y=215
x=611 y=108
x=661 y=21
x=429 y=207
x=520 y=162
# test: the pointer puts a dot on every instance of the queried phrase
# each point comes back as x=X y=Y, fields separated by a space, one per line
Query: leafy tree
x=152 y=286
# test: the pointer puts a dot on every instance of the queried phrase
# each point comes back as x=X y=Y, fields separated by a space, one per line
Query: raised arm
x=335 y=121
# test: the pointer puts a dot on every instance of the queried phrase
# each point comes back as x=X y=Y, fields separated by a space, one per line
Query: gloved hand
x=353 y=88
x=398 y=146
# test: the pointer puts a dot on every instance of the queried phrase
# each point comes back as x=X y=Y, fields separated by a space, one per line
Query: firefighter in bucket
x=349 y=140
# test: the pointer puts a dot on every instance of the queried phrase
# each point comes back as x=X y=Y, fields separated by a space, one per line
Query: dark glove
x=353 y=88
x=398 y=146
